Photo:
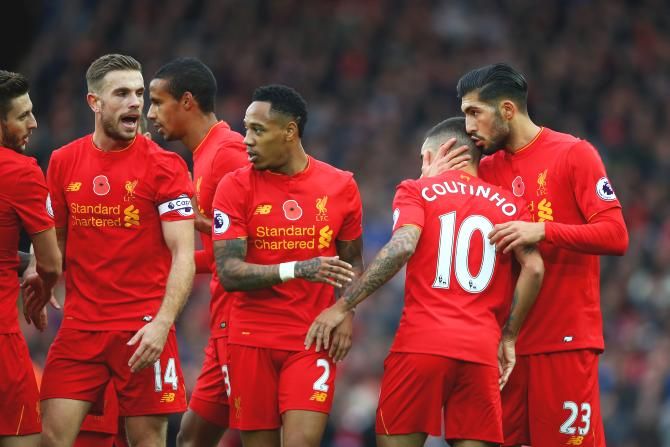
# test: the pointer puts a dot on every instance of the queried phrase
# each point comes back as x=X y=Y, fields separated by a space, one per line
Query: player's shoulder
x=560 y=141
x=158 y=156
x=329 y=173
x=73 y=148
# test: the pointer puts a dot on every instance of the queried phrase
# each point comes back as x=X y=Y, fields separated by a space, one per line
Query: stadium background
x=376 y=75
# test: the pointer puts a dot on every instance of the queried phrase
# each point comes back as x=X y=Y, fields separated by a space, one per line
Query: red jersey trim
x=523 y=148
x=95 y=146
x=42 y=231
x=206 y=136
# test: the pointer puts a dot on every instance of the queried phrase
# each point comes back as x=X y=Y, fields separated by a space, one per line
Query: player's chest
x=308 y=219
x=543 y=184
x=116 y=196
x=204 y=186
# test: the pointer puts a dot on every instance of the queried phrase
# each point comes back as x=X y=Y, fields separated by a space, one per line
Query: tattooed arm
x=526 y=290
x=237 y=274
x=386 y=264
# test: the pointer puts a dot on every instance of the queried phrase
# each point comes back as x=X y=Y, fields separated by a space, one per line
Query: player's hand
x=342 y=334
x=506 y=359
x=152 y=338
x=445 y=159
x=320 y=330
x=35 y=296
x=327 y=269
x=517 y=233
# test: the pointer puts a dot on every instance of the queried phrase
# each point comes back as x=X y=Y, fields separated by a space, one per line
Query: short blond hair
x=106 y=64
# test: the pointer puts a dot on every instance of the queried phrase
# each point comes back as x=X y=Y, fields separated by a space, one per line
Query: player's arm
x=527 y=287
x=237 y=274
x=604 y=234
x=351 y=252
x=392 y=257
x=44 y=269
x=179 y=238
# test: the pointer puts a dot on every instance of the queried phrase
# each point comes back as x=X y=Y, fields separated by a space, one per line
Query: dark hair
x=494 y=82
x=284 y=100
x=454 y=128
x=188 y=74
x=12 y=85
x=106 y=64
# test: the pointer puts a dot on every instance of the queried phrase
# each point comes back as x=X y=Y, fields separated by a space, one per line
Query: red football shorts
x=265 y=383
x=553 y=399
x=416 y=388
x=19 y=405
x=80 y=364
x=210 y=396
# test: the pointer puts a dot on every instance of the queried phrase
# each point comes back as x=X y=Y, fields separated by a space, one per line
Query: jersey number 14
x=446 y=255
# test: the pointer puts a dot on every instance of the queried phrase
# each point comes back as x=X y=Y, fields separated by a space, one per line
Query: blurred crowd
x=377 y=74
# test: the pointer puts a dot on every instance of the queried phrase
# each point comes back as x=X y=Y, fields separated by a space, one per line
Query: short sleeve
x=352 y=226
x=230 y=157
x=32 y=201
x=173 y=189
x=56 y=199
x=408 y=206
x=229 y=209
x=592 y=189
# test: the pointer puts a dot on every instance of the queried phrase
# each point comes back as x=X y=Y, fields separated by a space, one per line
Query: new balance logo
x=575 y=440
x=263 y=209
x=167 y=398
x=319 y=396
x=73 y=187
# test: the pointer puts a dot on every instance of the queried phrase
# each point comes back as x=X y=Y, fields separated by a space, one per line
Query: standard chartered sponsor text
x=103 y=215
x=263 y=232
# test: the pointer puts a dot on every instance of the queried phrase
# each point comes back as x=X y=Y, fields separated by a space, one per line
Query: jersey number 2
x=445 y=254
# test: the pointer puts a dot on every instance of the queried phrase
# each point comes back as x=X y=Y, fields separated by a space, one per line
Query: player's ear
x=507 y=109
x=187 y=100
x=93 y=101
x=291 y=131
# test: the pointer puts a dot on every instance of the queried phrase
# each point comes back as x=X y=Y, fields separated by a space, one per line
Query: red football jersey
x=112 y=204
x=285 y=218
x=220 y=152
x=458 y=290
x=562 y=178
x=23 y=202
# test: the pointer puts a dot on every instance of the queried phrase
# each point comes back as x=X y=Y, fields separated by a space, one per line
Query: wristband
x=286 y=271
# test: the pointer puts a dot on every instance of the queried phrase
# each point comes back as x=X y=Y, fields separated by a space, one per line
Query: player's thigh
x=515 y=404
x=260 y=438
x=155 y=390
x=473 y=410
x=20 y=441
x=195 y=430
x=254 y=385
x=61 y=419
x=410 y=440
x=19 y=404
x=302 y=428
x=413 y=392
x=307 y=382
x=564 y=401
x=147 y=431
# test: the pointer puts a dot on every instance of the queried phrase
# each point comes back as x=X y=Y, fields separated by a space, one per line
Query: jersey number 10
x=445 y=254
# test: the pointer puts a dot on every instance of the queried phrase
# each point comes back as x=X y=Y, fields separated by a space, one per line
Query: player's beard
x=111 y=125
x=10 y=140
x=499 y=135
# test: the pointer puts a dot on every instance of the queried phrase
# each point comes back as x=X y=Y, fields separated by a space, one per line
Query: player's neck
x=523 y=132
x=470 y=170
x=106 y=144
x=297 y=162
x=198 y=128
